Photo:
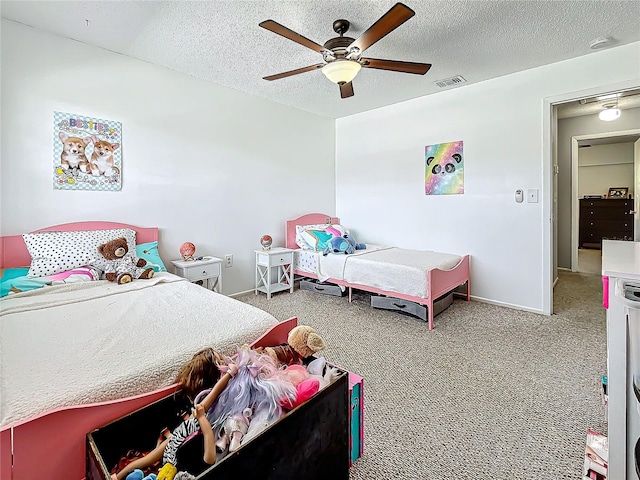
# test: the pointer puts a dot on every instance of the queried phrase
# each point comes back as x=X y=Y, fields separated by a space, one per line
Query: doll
x=252 y=401
x=199 y=373
x=166 y=450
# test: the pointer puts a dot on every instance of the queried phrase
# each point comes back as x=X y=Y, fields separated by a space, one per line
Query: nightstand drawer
x=274 y=259
x=282 y=259
x=200 y=272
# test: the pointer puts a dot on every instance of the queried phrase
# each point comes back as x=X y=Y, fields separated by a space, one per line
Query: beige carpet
x=491 y=392
x=590 y=260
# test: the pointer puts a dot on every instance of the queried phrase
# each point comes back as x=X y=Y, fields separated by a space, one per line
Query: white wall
x=202 y=162
x=571 y=127
x=601 y=167
x=380 y=172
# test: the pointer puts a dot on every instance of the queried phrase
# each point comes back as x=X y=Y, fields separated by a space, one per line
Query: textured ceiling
x=220 y=41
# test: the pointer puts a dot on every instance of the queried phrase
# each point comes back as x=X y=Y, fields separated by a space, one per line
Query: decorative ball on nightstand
x=187 y=250
x=266 y=242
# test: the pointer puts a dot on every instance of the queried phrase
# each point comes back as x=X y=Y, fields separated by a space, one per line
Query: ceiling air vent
x=447 y=82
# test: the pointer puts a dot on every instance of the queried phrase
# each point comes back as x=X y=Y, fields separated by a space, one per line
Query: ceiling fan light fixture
x=341 y=71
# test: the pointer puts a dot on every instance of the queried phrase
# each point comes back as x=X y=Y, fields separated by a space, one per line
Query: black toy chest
x=310 y=442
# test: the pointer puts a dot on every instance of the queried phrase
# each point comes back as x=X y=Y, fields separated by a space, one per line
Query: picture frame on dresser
x=618 y=192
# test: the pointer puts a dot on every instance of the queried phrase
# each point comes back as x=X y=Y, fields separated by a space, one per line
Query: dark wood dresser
x=608 y=218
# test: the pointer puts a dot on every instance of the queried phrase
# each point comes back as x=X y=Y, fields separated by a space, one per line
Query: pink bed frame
x=439 y=281
x=52 y=445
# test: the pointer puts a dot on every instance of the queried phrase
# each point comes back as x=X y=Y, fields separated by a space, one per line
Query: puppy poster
x=87 y=153
x=444 y=169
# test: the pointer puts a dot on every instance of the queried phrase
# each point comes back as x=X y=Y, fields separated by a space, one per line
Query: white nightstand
x=279 y=259
x=209 y=270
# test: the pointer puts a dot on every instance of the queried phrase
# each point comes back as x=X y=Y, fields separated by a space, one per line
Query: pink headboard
x=14 y=253
x=309 y=219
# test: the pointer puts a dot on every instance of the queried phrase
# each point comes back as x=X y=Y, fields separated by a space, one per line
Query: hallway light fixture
x=610 y=113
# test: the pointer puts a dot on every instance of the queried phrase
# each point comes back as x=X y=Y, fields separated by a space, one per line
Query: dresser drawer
x=200 y=272
x=604 y=212
x=596 y=236
x=607 y=203
x=606 y=224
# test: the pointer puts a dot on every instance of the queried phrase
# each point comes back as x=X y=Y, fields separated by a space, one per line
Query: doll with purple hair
x=252 y=399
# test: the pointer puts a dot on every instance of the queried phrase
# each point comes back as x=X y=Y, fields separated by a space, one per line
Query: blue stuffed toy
x=345 y=244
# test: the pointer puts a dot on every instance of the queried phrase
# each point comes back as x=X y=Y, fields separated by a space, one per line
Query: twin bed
x=421 y=277
x=77 y=356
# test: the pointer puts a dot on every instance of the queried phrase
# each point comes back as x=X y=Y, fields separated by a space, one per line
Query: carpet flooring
x=490 y=392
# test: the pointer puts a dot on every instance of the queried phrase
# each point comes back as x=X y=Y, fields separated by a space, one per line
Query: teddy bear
x=119 y=265
x=302 y=342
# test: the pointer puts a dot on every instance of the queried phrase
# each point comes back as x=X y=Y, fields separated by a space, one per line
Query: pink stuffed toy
x=305 y=387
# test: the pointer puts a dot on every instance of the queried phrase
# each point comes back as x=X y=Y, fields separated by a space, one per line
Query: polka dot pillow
x=54 y=252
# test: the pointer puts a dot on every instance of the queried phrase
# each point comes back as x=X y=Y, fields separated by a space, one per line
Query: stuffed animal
x=119 y=265
x=345 y=244
x=305 y=340
x=302 y=342
x=325 y=374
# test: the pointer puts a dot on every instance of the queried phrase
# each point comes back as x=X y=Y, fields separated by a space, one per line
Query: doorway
x=557 y=174
x=601 y=163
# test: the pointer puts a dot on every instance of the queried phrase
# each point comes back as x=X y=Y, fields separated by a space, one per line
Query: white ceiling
x=220 y=41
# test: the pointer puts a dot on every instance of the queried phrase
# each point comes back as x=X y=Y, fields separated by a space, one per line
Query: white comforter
x=97 y=341
x=386 y=268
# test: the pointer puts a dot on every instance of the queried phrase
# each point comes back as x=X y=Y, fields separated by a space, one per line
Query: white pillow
x=54 y=252
x=303 y=242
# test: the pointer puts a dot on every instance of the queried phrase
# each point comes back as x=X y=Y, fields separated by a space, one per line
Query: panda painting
x=444 y=169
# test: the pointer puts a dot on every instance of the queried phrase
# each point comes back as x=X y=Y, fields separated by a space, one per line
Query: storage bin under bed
x=310 y=442
x=323 y=288
x=411 y=308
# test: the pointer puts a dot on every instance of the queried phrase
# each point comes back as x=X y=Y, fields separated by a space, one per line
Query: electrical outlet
x=228 y=260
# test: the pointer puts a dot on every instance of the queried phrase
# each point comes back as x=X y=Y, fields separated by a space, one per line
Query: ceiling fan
x=343 y=55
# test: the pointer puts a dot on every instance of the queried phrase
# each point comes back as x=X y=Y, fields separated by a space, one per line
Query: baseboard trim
x=457 y=294
x=238 y=294
x=507 y=305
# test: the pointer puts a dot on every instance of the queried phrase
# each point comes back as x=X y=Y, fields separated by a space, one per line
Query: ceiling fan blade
x=275 y=27
x=396 y=66
x=294 y=72
x=396 y=16
x=346 y=90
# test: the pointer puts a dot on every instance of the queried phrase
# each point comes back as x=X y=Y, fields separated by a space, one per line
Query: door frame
x=636 y=190
x=575 y=204
x=549 y=162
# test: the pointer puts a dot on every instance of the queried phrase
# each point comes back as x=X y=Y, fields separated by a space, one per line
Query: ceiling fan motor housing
x=338 y=45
